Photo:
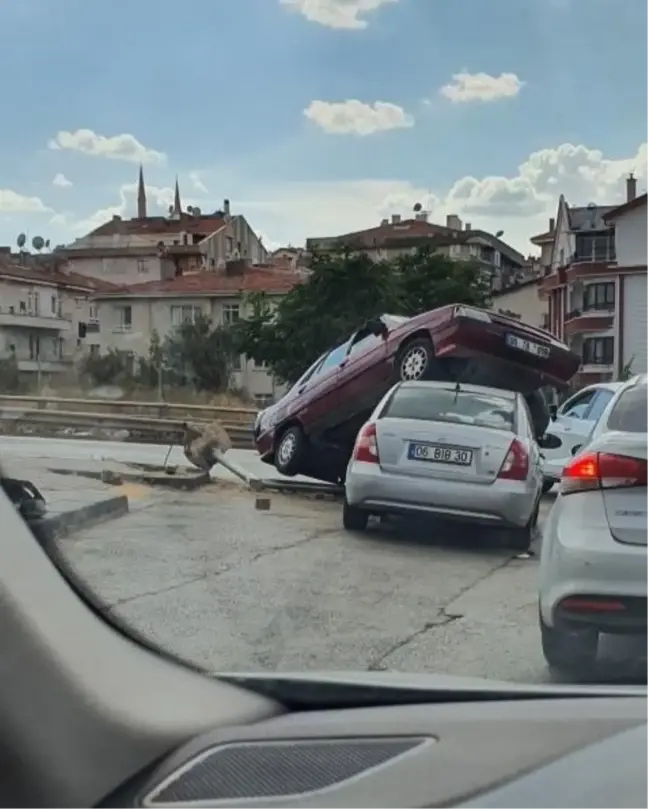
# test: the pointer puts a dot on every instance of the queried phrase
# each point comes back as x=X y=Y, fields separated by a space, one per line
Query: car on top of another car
x=311 y=430
x=465 y=453
x=593 y=560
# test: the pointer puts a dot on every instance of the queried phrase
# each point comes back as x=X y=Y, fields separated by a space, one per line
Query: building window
x=54 y=304
x=599 y=296
x=595 y=246
x=94 y=349
x=92 y=313
x=231 y=313
x=184 y=314
x=142 y=266
x=598 y=351
x=124 y=317
x=34 y=347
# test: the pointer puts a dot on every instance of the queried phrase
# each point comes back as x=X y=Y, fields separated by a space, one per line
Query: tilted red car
x=311 y=430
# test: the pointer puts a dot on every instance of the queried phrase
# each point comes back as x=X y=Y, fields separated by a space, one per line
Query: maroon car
x=311 y=430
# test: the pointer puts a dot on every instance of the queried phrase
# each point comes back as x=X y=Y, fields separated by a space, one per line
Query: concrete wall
x=524 y=301
x=631 y=238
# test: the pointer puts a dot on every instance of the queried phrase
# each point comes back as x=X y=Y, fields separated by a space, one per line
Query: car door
x=364 y=373
x=317 y=404
x=572 y=427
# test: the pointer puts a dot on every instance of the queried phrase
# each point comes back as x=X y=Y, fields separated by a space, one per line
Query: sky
x=318 y=117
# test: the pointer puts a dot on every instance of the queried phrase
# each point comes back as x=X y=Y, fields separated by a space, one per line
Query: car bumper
x=581 y=558
x=504 y=504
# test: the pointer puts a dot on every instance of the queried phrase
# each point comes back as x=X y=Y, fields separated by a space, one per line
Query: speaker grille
x=276 y=769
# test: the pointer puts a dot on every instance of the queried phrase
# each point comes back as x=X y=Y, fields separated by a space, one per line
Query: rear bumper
x=504 y=504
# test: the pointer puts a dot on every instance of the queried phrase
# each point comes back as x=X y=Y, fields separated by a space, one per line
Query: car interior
x=94 y=715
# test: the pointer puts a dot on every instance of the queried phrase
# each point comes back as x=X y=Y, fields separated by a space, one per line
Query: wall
x=635 y=322
x=118 y=269
x=631 y=238
x=524 y=301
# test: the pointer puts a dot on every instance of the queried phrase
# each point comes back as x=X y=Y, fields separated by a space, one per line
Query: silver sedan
x=460 y=452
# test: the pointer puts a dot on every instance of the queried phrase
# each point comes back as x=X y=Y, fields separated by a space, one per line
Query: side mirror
x=553 y=412
x=549 y=441
x=576 y=449
x=378 y=328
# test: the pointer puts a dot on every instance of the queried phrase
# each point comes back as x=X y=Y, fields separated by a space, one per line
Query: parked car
x=573 y=421
x=460 y=452
x=593 y=560
x=312 y=429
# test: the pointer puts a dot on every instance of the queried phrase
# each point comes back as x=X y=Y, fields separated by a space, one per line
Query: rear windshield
x=439 y=404
x=629 y=414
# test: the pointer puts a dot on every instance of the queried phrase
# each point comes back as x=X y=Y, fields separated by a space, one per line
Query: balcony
x=580 y=321
x=27 y=320
x=44 y=366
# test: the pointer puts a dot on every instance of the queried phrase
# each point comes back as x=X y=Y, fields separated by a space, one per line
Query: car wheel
x=569 y=652
x=290 y=451
x=520 y=539
x=354 y=519
x=414 y=360
x=547 y=485
x=539 y=410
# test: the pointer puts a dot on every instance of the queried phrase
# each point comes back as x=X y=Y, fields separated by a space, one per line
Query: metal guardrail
x=229 y=415
x=140 y=428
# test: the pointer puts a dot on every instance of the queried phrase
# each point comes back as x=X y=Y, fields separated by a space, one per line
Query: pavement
x=211 y=578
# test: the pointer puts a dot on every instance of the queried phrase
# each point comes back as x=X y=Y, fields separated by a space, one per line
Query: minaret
x=141 y=195
x=177 y=207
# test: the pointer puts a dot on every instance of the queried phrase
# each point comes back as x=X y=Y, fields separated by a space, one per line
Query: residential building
x=130 y=315
x=47 y=317
x=157 y=248
x=595 y=283
x=399 y=236
x=523 y=302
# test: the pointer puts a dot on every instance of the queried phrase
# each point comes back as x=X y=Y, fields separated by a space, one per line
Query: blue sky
x=249 y=100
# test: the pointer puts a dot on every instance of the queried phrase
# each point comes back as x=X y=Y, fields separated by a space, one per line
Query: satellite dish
x=38 y=242
x=196 y=211
x=417 y=207
x=499 y=234
x=190 y=209
x=21 y=240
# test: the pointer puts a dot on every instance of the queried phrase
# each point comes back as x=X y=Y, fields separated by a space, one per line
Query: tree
x=342 y=292
x=201 y=354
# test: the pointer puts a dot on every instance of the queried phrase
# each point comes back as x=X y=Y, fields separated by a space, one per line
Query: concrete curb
x=69 y=522
x=188 y=481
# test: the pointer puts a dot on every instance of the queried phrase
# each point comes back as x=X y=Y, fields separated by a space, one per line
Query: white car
x=574 y=421
x=593 y=559
x=465 y=453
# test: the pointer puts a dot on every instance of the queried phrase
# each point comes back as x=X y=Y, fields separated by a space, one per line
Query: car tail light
x=474 y=314
x=516 y=463
x=600 y=470
x=366 y=446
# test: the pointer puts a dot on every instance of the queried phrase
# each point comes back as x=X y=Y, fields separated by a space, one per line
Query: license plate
x=527 y=346
x=456 y=456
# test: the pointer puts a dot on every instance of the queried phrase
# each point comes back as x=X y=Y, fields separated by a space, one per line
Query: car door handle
x=343 y=363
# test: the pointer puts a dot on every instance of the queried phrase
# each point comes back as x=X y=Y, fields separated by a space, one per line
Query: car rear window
x=630 y=412
x=447 y=405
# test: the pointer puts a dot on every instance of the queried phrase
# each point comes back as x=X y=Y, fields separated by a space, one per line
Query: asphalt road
x=223 y=585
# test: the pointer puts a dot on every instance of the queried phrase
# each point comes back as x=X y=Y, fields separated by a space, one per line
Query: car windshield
x=426 y=403
x=629 y=414
x=229 y=230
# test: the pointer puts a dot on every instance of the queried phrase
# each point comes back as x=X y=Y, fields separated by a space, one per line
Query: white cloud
x=61 y=181
x=196 y=183
x=349 y=14
x=354 y=117
x=117 y=147
x=466 y=87
x=12 y=201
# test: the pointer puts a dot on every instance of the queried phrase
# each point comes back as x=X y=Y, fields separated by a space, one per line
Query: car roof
x=613 y=386
x=503 y=393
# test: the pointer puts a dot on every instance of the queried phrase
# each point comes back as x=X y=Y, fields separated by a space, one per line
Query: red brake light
x=516 y=463
x=600 y=470
x=366 y=446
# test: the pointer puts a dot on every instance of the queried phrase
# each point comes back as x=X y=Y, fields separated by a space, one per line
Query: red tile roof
x=153 y=225
x=405 y=229
x=56 y=276
x=212 y=283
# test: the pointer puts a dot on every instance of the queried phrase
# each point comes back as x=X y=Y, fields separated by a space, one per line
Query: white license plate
x=455 y=456
x=527 y=346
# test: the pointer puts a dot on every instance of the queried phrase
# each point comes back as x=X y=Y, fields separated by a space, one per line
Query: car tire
x=415 y=360
x=520 y=539
x=569 y=652
x=540 y=414
x=354 y=519
x=290 y=450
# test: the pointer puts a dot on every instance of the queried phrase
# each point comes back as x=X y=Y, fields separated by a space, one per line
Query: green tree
x=341 y=293
x=200 y=354
x=104 y=369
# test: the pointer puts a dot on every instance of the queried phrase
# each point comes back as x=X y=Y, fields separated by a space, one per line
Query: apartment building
x=46 y=314
x=523 y=302
x=595 y=283
x=157 y=248
x=398 y=236
x=130 y=315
